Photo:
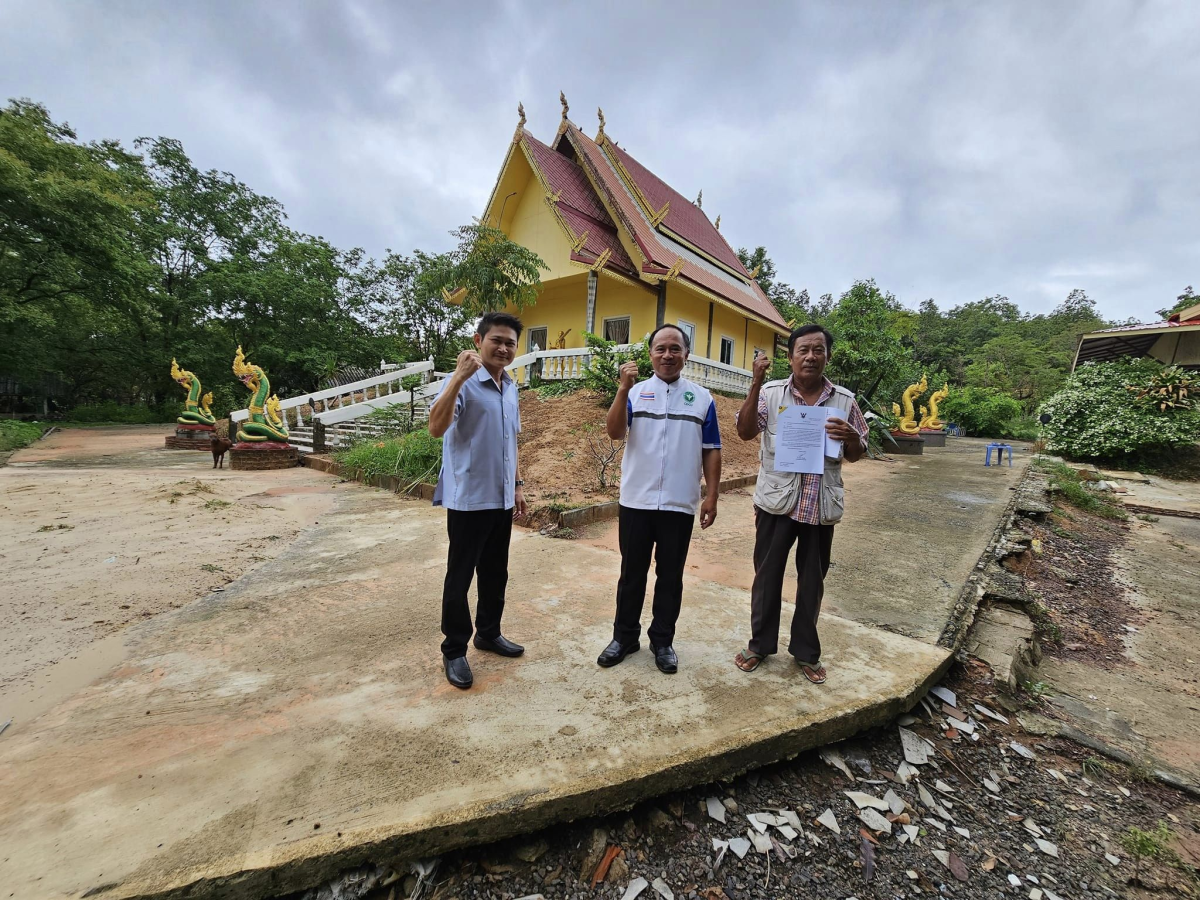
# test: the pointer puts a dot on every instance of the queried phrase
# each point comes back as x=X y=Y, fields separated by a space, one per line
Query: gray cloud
x=950 y=151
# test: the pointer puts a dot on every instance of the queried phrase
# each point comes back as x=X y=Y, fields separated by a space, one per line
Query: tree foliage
x=115 y=261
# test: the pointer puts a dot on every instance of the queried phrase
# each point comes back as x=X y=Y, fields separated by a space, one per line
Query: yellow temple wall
x=616 y=298
x=561 y=305
x=536 y=228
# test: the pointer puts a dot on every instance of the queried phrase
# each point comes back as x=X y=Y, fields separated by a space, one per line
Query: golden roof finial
x=700 y=200
x=600 y=133
x=520 y=123
x=718 y=221
x=562 y=98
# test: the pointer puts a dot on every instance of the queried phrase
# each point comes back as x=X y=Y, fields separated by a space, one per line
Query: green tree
x=413 y=305
x=494 y=271
x=794 y=306
x=69 y=214
x=1183 y=301
x=869 y=355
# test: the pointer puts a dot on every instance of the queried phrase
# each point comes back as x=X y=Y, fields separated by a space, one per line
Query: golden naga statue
x=196 y=411
x=908 y=419
x=931 y=421
x=265 y=422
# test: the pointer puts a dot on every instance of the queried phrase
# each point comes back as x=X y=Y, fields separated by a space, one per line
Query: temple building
x=626 y=252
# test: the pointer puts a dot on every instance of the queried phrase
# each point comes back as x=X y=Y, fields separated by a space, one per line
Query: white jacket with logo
x=669 y=427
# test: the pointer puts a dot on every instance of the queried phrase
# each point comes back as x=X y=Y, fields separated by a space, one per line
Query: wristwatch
x=520 y=482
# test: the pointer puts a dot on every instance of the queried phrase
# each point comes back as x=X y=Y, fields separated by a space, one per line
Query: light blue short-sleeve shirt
x=479 y=449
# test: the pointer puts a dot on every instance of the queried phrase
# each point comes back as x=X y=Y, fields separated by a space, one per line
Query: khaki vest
x=779 y=492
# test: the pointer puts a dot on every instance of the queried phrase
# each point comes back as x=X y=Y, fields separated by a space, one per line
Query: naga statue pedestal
x=259 y=455
x=907 y=444
x=933 y=438
x=192 y=436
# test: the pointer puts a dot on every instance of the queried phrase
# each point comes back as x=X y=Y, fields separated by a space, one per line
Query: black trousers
x=478 y=545
x=667 y=535
x=773 y=539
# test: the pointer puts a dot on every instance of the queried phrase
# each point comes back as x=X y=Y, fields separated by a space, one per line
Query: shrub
x=602 y=375
x=984 y=412
x=547 y=389
x=14 y=435
x=415 y=457
x=1025 y=428
x=1097 y=413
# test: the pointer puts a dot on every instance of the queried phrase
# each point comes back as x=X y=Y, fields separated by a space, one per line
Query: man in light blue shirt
x=673 y=437
x=478 y=417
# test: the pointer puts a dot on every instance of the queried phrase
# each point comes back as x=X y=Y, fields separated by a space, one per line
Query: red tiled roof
x=579 y=205
x=683 y=217
x=661 y=251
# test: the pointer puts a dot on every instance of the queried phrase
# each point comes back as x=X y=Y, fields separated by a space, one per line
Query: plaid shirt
x=807 y=509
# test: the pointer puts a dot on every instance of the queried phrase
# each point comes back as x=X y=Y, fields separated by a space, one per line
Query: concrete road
x=261 y=739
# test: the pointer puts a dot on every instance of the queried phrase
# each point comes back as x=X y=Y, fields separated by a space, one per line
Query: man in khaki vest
x=794 y=508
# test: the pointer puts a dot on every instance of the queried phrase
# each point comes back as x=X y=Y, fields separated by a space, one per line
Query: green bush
x=1096 y=414
x=415 y=457
x=981 y=412
x=602 y=375
x=548 y=389
x=14 y=435
x=1025 y=428
x=395 y=419
x=120 y=414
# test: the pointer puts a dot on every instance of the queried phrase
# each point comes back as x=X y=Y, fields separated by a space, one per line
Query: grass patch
x=1067 y=483
x=59 y=527
x=415 y=458
x=216 y=504
x=14 y=435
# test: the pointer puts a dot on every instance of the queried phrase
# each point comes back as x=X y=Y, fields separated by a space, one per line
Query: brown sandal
x=816 y=674
x=747 y=661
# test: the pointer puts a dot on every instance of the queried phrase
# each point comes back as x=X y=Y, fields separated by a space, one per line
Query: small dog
x=219 y=446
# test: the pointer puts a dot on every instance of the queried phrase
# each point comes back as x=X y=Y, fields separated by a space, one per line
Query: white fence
x=343 y=396
x=568 y=365
x=337 y=410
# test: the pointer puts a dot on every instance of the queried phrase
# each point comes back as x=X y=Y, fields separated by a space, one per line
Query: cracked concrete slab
x=261 y=739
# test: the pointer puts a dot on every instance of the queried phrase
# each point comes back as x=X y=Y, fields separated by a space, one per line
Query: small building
x=1173 y=342
x=626 y=252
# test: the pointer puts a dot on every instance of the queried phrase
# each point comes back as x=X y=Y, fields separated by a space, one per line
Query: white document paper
x=800 y=440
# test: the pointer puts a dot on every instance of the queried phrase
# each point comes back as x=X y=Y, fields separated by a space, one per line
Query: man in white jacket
x=794 y=508
x=673 y=437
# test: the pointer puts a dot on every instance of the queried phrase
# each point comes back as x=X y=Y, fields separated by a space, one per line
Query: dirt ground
x=103 y=527
x=559 y=451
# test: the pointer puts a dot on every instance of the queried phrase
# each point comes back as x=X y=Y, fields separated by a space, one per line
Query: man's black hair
x=498 y=320
x=687 y=341
x=810 y=328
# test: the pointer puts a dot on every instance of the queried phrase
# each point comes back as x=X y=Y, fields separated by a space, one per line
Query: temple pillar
x=661 y=316
x=708 y=348
x=591 y=303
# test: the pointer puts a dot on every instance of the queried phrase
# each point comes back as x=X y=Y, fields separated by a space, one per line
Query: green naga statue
x=196 y=409
x=266 y=420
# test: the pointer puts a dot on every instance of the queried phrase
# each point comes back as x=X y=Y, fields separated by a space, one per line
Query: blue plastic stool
x=999 y=448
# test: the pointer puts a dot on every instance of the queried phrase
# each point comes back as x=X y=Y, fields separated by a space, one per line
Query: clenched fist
x=629 y=374
x=469 y=362
x=762 y=363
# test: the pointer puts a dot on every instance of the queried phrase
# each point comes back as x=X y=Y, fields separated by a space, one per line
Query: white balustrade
x=343 y=395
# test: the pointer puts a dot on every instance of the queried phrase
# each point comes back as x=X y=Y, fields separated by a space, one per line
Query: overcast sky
x=948 y=150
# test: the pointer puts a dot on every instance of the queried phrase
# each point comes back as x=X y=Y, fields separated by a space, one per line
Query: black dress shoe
x=616 y=652
x=666 y=660
x=458 y=672
x=499 y=644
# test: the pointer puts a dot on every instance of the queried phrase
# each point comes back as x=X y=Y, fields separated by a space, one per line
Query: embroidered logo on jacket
x=646 y=395
x=689 y=398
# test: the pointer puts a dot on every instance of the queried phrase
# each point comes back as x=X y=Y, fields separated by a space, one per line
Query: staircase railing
x=387 y=384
